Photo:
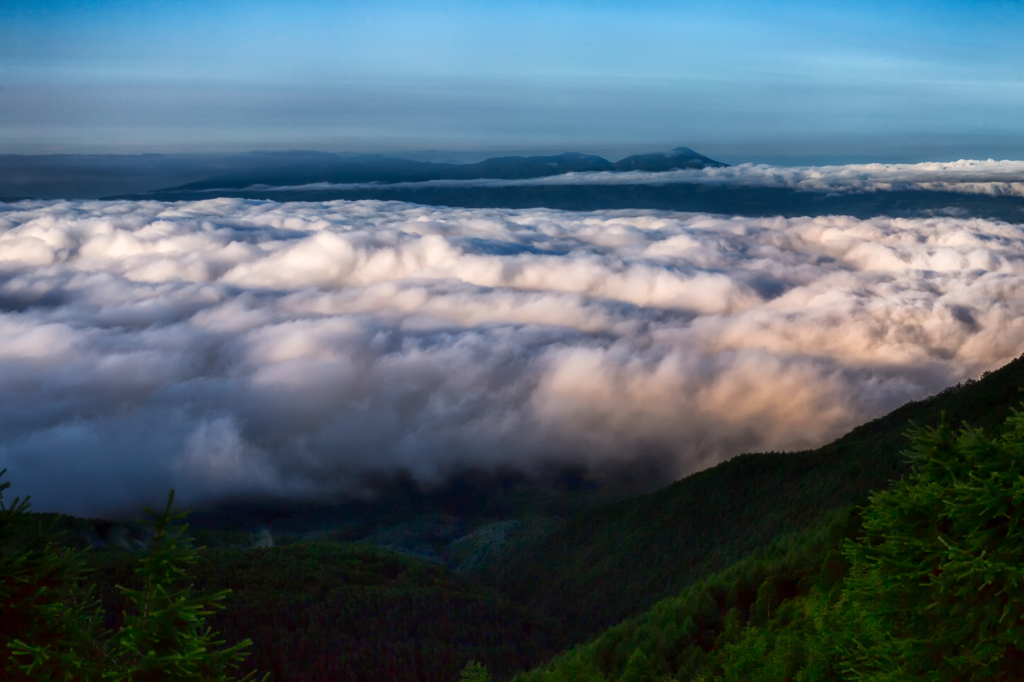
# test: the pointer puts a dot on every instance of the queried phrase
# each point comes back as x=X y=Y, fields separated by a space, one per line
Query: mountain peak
x=680 y=157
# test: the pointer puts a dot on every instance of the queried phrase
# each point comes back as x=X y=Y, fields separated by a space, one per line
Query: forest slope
x=343 y=611
x=609 y=563
x=923 y=582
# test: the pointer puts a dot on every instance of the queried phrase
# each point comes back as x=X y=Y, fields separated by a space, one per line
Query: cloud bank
x=231 y=347
x=992 y=178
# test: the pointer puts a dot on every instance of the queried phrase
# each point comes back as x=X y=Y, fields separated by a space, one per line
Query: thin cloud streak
x=993 y=178
x=230 y=347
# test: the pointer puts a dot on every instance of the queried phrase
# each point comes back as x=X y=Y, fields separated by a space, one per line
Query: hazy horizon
x=784 y=82
x=770 y=152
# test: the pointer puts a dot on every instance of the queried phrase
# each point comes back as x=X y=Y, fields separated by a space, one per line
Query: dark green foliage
x=474 y=672
x=639 y=668
x=930 y=587
x=52 y=627
x=767 y=601
x=43 y=599
x=164 y=635
x=711 y=629
x=342 y=611
x=936 y=589
x=614 y=561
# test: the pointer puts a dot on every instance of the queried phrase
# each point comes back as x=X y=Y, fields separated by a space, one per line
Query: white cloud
x=993 y=178
x=228 y=347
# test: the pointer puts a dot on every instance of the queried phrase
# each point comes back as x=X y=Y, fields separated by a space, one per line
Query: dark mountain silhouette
x=333 y=169
x=375 y=178
x=90 y=176
x=680 y=157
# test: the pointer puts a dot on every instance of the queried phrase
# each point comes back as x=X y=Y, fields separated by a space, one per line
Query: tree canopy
x=52 y=626
x=925 y=582
x=936 y=588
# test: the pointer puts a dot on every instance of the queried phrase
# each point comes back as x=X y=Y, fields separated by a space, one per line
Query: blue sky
x=764 y=81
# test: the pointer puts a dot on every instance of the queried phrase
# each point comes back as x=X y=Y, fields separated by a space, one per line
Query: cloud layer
x=232 y=347
x=992 y=178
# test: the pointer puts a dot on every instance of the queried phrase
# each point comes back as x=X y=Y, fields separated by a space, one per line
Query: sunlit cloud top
x=230 y=347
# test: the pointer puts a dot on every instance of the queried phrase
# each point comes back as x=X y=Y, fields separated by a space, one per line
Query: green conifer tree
x=165 y=637
x=638 y=668
x=51 y=625
x=936 y=587
x=49 y=617
x=474 y=671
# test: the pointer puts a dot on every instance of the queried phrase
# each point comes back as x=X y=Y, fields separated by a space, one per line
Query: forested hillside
x=339 y=611
x=609 y=563
x=925 y=582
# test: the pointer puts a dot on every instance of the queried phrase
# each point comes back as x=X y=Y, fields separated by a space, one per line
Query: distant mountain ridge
x=98 y=176
x=313 y=168
x=319 y=176
x=680 y=157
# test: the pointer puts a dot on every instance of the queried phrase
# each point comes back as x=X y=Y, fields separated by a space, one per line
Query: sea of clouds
x=992 y=178
x=231 y=347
